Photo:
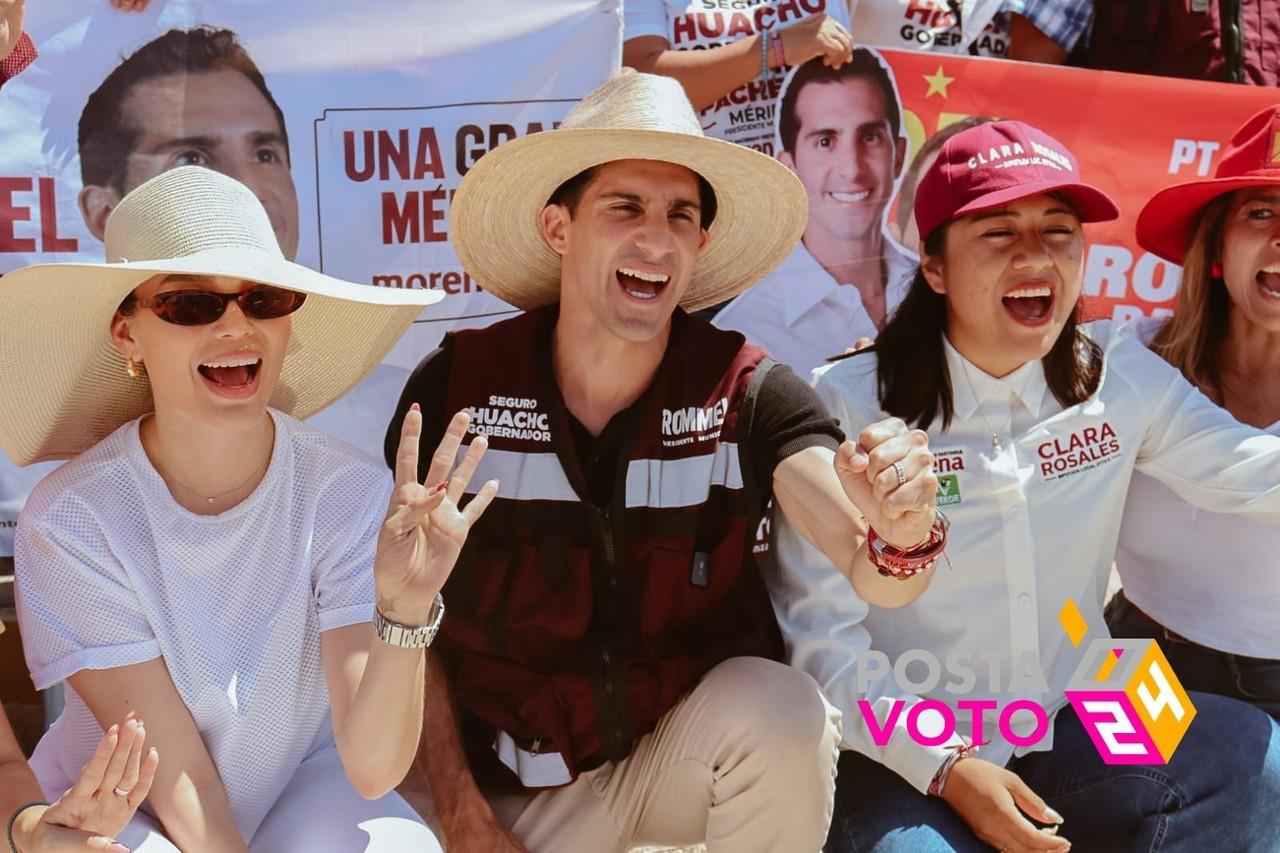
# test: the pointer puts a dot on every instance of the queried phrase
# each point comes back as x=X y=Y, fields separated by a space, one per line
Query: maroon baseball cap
x=999 y=162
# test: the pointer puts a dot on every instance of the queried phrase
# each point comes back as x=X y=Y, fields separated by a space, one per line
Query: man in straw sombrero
x=256 y=593
x=611 y=648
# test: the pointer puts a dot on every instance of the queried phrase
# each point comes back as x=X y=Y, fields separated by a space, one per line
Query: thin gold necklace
x=996 y=445
x=209 y=500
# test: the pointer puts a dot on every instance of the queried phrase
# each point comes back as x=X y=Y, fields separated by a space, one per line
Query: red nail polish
x=439 y=488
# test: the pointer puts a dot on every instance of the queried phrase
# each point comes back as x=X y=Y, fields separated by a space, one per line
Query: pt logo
x=1127 y=696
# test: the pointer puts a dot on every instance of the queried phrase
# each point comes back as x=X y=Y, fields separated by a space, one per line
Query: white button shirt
x=1167 y=552
x=1034 y=523
x=801 y=314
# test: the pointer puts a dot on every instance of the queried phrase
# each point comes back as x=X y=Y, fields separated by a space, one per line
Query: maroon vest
x=1236 y=41
x=574 y=627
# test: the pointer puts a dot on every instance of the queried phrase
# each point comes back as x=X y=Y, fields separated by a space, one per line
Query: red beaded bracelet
x=905 y=563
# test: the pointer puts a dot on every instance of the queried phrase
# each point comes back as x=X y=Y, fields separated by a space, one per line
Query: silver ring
x=121 y=792
x=901 y=472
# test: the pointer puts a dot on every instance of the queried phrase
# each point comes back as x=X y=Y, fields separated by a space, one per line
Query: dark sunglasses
x=201 y=307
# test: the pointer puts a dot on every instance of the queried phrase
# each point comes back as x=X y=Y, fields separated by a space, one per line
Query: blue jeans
x=1219 y=792
x=1252 y=680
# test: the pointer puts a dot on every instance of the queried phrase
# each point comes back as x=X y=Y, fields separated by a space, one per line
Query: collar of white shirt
x=971 y=386
x=806 y=282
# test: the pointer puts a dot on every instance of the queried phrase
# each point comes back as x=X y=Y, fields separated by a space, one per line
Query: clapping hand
x=103 y=799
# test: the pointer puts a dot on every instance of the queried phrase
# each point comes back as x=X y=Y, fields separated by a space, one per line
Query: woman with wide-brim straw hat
x=1204 y=584
x=205 y=558
x=1040 y=422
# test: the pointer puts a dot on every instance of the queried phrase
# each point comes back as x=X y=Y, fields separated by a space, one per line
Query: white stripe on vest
x=652 y=483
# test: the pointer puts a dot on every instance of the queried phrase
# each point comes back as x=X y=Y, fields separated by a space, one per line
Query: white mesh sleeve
x=76 y=605
x=349 y=516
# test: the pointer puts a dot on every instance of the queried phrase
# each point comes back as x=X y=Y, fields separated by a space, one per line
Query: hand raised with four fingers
x=103 y=799
x=425 y=527
x=888 y=475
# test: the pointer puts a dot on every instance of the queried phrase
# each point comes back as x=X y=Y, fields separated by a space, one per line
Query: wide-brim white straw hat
x=495 y=214
x=65 y=387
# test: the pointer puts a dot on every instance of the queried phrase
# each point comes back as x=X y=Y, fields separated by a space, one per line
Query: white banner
x=386 y=104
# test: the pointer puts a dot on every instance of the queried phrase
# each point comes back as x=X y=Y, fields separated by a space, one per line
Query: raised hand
x=425 y=529
x=103 y=799
x=888 y=475
x=817 y=35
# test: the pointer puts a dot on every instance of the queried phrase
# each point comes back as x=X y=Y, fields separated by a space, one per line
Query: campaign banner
x=353 y=123
x=860 y=137
x=1132 y=134
x=745 y=114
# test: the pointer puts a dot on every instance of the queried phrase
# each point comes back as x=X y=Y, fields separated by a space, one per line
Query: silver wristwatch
x=409 y=636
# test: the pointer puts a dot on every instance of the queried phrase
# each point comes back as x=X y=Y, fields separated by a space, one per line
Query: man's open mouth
x=1031 y=305
x=234 y=372
x=645 y=286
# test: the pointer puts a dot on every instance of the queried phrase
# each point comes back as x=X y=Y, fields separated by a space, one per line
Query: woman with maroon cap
x=1037 y=424
x=1218 y=629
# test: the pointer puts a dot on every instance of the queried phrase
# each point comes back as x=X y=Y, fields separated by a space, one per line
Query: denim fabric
x=1219 y=792
x=1252 y=680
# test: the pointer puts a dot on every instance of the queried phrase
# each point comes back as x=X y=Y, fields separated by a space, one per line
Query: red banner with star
x=1133 y=135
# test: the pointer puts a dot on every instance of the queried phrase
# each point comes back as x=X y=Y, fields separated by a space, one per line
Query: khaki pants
x=745 y=762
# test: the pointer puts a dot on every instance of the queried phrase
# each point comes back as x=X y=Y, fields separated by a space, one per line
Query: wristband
x=905 y=563
x=13 y=818
x=764 y=55
x=939 y=783
x=779 y=54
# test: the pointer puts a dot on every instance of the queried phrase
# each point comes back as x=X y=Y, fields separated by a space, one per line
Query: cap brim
x=61 y=398
x=1165 y=223
x=1090 y=203
x=495 y=226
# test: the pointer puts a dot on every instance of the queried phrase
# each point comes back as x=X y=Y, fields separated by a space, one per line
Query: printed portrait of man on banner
x=841 y=131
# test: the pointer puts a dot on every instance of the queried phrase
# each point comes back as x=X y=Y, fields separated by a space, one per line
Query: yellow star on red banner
x=938 y=83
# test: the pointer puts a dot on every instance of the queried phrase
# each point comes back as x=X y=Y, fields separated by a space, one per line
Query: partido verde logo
x=1124 y=691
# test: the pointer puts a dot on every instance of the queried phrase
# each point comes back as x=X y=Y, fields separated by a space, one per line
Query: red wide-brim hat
x=1252 y=160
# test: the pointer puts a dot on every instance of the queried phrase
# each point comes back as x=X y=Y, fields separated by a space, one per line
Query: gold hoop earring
x=131 y=367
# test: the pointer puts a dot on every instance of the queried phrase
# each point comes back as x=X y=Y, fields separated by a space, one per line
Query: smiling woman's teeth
x=1269 y=280
x=239 y=361
x=1028 y=293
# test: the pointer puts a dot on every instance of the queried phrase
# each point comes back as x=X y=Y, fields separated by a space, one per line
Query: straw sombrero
x=762 y=206
x=65 y=387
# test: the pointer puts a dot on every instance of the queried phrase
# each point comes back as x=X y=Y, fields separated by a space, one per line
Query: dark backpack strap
x=751 y=492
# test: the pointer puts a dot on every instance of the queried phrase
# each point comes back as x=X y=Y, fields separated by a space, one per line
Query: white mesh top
x=111 y=571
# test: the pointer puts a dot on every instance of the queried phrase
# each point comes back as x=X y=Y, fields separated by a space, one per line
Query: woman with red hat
x=1037 y=424
x=1217 y=629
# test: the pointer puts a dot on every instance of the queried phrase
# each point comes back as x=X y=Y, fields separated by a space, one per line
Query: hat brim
x=762 y=210
x=1090 y=203
x=1165 y=223
x=65 y=384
